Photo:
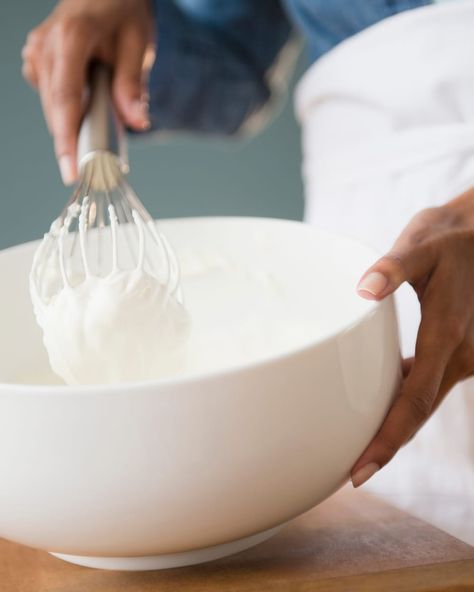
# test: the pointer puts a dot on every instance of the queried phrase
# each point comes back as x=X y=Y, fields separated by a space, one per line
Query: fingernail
x=66 y=169
x=364 y=474
x=139 y=111
x=373 y=283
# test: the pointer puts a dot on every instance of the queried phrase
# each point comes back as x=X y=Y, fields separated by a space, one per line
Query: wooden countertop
x=353 y=542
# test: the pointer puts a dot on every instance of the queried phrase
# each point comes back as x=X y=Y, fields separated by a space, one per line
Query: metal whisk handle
x=101 y=130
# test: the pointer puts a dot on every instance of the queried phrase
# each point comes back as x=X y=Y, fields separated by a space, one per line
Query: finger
x=451 y=377
x=44 y=87
x=395 y=268
x=407 y=261
x=30 y=54
x=459 y=368
x=444 y=389
x=407 y=365
x=72 y=53
x=128 y=88
x=410 y=409
x=435 y=345
x=28 y=71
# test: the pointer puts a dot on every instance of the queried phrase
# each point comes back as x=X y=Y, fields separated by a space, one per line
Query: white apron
x=388 y=129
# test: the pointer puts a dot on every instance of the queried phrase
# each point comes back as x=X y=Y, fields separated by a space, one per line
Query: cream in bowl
x=286 y=376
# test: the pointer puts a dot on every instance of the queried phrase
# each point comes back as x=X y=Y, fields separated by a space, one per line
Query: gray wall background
x=182 y=177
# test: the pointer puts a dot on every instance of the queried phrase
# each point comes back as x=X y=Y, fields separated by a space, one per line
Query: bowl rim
x=200 y=377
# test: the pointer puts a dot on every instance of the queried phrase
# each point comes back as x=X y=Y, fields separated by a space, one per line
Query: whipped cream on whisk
x=124 y=326
x=120 y=328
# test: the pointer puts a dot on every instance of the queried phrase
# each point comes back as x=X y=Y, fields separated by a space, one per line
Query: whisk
x=104 y=227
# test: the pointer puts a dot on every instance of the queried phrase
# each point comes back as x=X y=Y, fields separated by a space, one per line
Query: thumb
x=127 y=89
x=401 y=264
x=383 y=278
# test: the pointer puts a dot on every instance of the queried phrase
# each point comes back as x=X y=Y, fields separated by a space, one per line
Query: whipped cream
x=120 y=328
x=126 y=326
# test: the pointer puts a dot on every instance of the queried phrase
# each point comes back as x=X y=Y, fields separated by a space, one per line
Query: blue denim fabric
x=213 y=56
x=325 y=23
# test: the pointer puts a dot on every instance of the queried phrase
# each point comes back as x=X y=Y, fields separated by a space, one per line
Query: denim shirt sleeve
x=213 y=63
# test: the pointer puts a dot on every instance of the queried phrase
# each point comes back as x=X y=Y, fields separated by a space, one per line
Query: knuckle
x=394 y=262
x=27 y=62
x=127 y=85
x=135 y=34
x=28 y=51
x=421 y=236
x=28 y=72
x=427 y=217
x=423 y=224
x=465 y=360
x=420 y=404
x=453 y=330
x=62 y=144
x=462 y=241
x=451 y=217
x=31 y=56
x=428 y=214
x=62 y=96
x=34 y=37
x=71 y=30
x=31 y=52
x=388 y=449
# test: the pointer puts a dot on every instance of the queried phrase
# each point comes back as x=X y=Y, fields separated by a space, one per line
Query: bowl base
x=170 y=560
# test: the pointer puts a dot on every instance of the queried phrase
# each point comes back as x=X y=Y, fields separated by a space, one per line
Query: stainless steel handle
x=101 y=129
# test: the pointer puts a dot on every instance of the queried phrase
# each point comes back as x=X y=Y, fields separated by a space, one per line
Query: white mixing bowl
x=151 y=475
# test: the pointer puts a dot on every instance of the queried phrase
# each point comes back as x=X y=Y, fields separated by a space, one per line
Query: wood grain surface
x=351 y=543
